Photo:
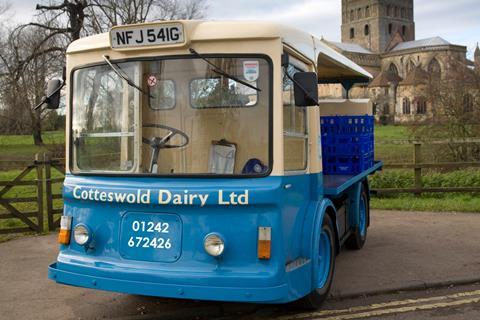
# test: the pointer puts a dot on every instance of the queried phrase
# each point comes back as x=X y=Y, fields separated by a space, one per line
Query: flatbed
x=335 y=185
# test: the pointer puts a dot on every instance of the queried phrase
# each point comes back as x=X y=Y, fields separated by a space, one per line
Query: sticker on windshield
x=251 y=70
x=151 y=81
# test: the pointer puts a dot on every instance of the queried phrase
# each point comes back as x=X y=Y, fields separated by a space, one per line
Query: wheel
x=323 y=267
x=359 y=236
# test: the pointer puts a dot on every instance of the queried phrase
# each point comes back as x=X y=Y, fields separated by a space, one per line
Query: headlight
x=214 y=244
x=81 y=234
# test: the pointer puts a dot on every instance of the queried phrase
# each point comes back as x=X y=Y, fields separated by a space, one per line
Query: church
x=379 y=35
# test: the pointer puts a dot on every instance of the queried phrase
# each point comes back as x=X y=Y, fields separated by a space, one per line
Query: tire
x=324 y=270
x=357 y=239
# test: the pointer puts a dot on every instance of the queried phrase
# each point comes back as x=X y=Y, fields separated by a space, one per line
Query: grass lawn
x=392 y=153
x=427 y=202
x=22 y=192
x=395 y=153
x=22 y=147
x=388 y=133
x=445 y=203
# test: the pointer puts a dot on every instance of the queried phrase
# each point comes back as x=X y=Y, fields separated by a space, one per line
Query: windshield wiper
x=122 y=75
x=221 y=72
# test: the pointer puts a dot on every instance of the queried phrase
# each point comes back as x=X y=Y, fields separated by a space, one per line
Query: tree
x=75 y=12
x=107 y=13
x=455 y=102
x=27 y=62
x=86 y=17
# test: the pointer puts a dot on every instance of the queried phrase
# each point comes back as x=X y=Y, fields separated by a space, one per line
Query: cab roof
x=331 y=65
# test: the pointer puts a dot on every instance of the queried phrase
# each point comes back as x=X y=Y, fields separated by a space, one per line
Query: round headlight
x=81 y=234
x=214 y=245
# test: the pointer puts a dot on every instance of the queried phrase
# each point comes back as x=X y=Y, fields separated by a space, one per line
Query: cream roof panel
x=99 y=41
x=330 y=63
x=197 y=31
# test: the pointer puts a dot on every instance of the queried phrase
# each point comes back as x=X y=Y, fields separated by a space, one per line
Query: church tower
x=374 y=24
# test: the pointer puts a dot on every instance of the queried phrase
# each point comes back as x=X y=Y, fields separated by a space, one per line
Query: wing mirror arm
x=52 y=98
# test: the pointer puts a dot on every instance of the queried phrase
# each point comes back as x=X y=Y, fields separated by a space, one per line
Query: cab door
x=297 y=185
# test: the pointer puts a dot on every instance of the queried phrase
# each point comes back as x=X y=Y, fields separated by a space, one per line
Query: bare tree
x=85 y=17
x=455 y=103
x=73 y=10
x=27 y=62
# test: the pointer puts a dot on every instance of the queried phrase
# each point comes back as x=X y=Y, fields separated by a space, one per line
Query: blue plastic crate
x=347 y=165
x=347 y=144
x=347 y=124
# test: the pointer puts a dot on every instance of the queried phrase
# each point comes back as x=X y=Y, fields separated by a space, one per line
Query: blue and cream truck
x=201 y=165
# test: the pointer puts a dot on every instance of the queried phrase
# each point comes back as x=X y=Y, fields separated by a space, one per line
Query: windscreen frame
x=270 y=96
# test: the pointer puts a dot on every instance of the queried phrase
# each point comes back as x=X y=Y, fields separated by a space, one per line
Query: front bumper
x=276 y=294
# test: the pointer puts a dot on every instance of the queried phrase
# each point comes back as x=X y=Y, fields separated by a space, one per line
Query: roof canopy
x=333 y=67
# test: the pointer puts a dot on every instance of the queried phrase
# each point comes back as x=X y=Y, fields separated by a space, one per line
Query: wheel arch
x=332 y=213
x=313 y=225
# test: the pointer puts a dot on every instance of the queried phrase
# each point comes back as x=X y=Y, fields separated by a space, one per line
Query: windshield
x=173 y=116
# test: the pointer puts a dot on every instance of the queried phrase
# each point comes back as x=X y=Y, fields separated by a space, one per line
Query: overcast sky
x=457 y=21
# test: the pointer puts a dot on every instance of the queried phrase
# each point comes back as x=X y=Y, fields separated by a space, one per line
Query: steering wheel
x=158 y=143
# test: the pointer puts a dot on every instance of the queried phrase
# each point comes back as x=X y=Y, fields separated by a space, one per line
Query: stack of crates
x=347 y=144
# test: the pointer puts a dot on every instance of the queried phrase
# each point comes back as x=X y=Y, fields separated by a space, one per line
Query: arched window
x=389 y=11
x=352 y=15
x=359 y=13
x=421 y=105
x=404 y=30
x=352 y=33
x=367 y=12
x=393 y=70
x=396 y=11
x=434 y=67
x=406 y=106
x=403 y=13
x=468 y=103
x=386 y=109
x=367 y=30
x=390 y=28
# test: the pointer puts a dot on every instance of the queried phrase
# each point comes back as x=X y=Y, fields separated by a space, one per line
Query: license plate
x=151 y=237
x=146 y=35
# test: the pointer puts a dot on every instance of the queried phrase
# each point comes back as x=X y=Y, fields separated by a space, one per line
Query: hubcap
x=324 y=257
x=363 y=217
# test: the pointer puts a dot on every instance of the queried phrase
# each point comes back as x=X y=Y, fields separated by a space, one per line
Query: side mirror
x=305 y=89
x=53 y=93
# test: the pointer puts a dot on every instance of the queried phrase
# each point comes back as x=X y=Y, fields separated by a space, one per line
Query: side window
x=294 y=127
x=218 y=93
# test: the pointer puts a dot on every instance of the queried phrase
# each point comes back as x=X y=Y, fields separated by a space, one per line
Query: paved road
x=404 y=250
x=452 y=303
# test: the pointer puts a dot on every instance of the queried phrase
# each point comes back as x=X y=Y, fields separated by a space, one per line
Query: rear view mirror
x=305 y=89
x=53 y=93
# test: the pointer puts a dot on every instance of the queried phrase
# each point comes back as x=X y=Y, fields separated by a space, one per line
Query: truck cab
x=194 y=165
